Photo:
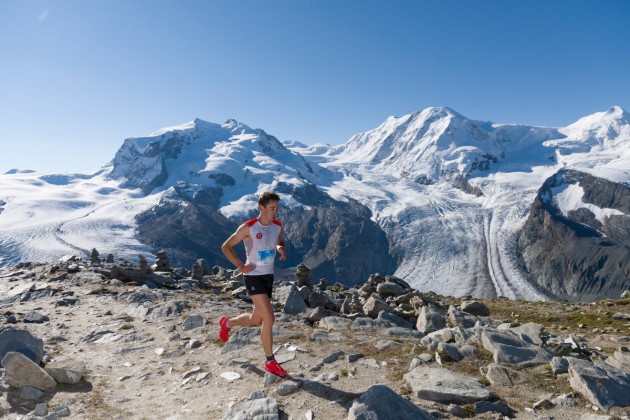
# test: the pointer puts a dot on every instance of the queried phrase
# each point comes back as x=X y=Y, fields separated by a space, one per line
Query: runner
x=263 y=237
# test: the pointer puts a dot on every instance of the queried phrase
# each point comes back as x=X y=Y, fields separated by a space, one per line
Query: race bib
x=265 y=256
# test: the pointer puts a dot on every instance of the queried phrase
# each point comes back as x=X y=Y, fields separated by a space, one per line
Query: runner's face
x=270 y=211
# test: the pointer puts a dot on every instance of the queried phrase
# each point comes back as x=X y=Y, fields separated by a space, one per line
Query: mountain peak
x=615 y=111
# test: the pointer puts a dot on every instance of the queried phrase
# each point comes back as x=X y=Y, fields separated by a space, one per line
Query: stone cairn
x=95 y=258
x=110 y=259
x=199 y=269
x=304 y=276
x=143 y=264
x=162 y=263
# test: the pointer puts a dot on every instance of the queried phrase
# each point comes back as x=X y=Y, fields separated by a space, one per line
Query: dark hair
x=266 y=197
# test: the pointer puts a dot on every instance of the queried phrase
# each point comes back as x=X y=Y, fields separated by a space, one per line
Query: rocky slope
x=576 y=241
x=122 y=341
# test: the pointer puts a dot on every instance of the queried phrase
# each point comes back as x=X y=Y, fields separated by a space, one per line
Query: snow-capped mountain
x=433 y=197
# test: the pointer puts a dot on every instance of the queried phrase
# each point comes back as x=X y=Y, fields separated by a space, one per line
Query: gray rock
x=374 y=305
x=403 y=332
x=601 y=384
x=475 y=307
x=168 y=309
x=530 y=332
x=324 y=336
x=559 y=365
x=35 y=317
x=510 y=350
x=62 y=411
x=394 y=319
x=444 y=386
x=386 y=344
x=432 y=340
x=333 y=357
x=41 y=409
x=500 y=375
x=66 y=372
x=334 y=323
x=425 y=357
x=457 y=318
x=316 y=314
x=30 y=393
x=451 y=350
x=381 y=403
x=354 y=357
x=192 y=322
x=494 y=407
x=468 y=350
x=327 y=377
x=620 y=359
x=370 y=325
x=316 y=299
x=135 y=310
x=258 y=409
x=13 y=339
x=283 y=358
x=566 y=400
x=290 y=298
x=241 y=338
x=388 y=288
x=431 y=319
x=22 y=371
x=288 y=387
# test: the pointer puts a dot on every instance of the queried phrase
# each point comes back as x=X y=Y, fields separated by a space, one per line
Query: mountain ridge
x=450 y=194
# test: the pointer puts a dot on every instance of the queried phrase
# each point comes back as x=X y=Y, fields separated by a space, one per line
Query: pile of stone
x=454 y=332
x=21 y=356
x=200 y=269
x=385 y=307
x=162 y=263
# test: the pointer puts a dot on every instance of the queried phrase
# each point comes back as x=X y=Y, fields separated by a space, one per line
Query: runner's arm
x=228 y=248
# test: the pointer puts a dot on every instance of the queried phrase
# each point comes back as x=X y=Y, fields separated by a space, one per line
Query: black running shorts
x=259 y=285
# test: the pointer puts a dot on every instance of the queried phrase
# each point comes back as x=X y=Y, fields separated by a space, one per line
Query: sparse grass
x=484 y=381
x=343 y=373
x=405 y=390
x=126 y=327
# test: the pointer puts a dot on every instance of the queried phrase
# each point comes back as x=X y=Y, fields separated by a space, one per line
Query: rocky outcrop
x=583 y=253
x=187 y=225
x=338 y=240
x=125 y=341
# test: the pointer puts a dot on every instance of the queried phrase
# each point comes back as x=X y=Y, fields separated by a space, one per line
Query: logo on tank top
x=259 y=235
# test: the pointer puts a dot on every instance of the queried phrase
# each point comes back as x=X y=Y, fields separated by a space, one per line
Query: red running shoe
x=224 y=331
x=275 y=368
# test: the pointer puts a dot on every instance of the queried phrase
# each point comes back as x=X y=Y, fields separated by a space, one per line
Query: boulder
x=475 y=307
x=601 y=384
x=66 y=372
x=444 y=386
x=265 y=408
x=500 y=375
x=380 y=402
x=291 y=299
x=431 y=319
x=22 y=341
x=22 y=371
x=374 y=305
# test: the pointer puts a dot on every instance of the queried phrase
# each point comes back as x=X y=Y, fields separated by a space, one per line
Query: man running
x=262 y=237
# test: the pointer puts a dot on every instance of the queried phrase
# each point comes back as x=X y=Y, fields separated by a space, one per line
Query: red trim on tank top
x=252 y=222
x=277 y=222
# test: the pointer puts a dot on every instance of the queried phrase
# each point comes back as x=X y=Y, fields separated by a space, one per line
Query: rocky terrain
x=577 y=256
x=104 y=338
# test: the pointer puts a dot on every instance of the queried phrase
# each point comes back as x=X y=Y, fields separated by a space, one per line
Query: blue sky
x=78 y=77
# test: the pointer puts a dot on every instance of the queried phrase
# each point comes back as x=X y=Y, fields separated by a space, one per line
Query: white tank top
x=260 y=246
